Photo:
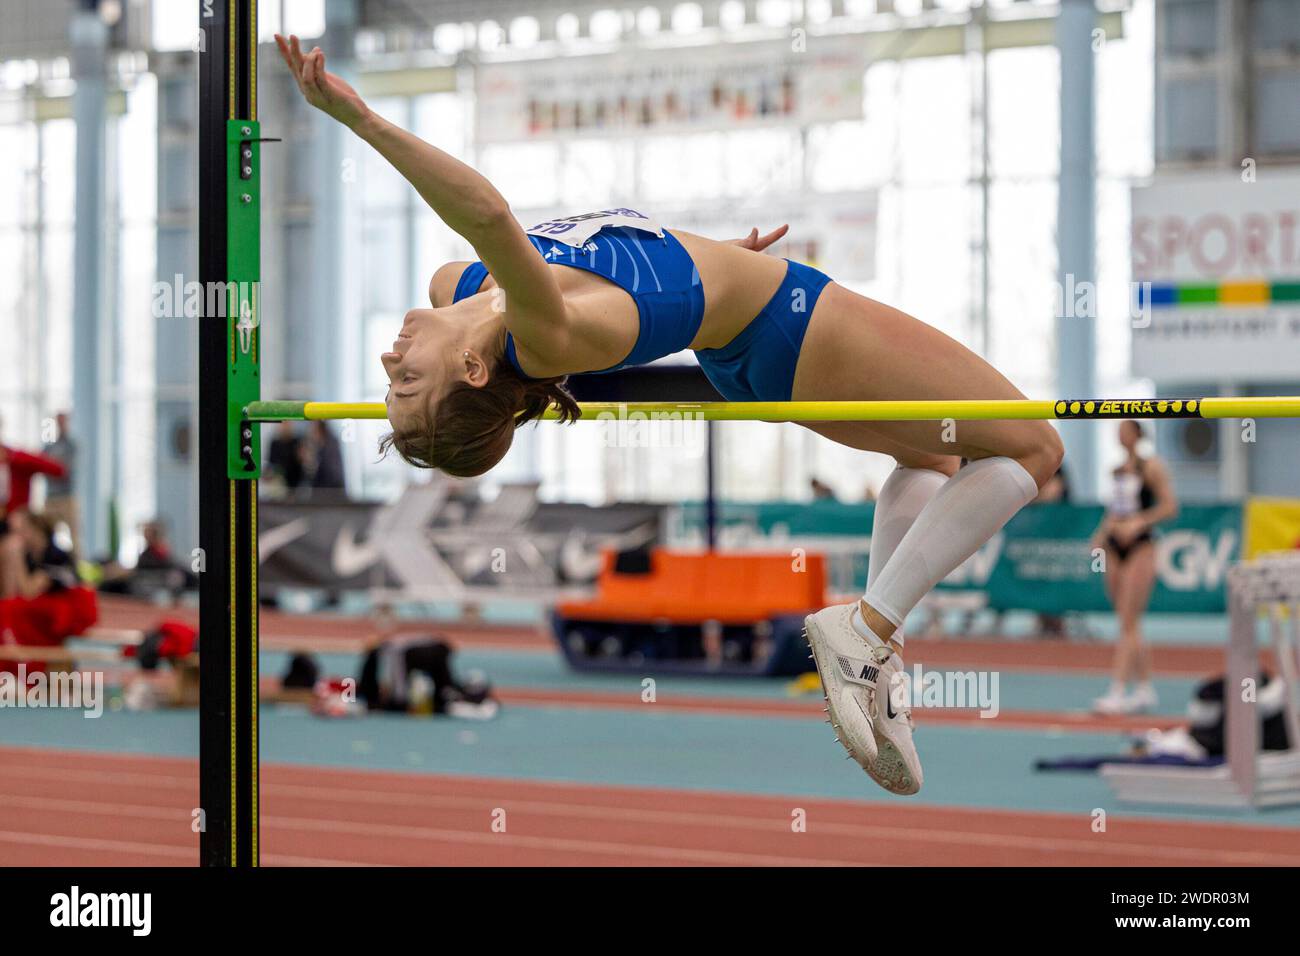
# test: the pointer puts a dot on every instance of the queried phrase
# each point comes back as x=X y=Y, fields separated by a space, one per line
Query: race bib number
x=576 y=230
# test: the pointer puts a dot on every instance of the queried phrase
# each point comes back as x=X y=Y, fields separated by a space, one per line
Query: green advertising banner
x=1041 y=561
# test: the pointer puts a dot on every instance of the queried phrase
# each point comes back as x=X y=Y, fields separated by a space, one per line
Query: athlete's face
x=429 y=355
x=1129 y=435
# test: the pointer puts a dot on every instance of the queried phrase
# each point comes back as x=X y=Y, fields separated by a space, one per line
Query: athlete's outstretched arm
x=461 y=196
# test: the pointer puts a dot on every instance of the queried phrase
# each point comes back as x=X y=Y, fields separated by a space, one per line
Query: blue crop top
x=655 y=270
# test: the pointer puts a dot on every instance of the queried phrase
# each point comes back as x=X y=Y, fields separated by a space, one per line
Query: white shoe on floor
x=1111 y=704
x=1142 y=700
x=484 y=710
x=873 y=725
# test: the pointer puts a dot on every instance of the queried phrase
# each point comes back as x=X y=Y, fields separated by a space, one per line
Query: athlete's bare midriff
x=737 y=284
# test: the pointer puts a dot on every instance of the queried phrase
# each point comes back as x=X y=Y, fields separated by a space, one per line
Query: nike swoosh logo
x=349 y=558
x=889 y=706
x=272 y=540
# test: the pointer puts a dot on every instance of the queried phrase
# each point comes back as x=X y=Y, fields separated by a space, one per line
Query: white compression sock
x=902 y=497
x=968 y=510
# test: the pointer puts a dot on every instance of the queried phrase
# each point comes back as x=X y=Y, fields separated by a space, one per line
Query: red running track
x=320 y=632
x=326 y=632
x=69 y=808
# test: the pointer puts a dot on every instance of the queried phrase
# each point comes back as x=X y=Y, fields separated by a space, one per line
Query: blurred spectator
x=156 y=568
x=157 y=551
x=327 y=458
x=1143 y=497
x=396 y=664
x=42 y=602
x=60 y=498
x=1056 y=489
x=821 y=491
x=284 y=459
x=31 y=564
x=303 y=673
x=388 y=674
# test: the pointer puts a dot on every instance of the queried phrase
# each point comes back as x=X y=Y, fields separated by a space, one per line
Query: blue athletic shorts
x=758 y=365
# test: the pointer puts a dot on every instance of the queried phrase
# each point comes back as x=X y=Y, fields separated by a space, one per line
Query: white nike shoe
x=898 y=767
x=875 y=728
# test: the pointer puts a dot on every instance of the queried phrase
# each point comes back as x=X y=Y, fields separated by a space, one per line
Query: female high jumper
x=611 y=289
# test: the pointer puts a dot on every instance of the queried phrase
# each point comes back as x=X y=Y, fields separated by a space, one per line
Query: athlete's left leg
x=856 y=711
x=902 y=497
x=857 y=349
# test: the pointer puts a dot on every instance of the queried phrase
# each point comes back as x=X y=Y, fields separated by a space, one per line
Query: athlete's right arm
x=534 y=308
x=461 y=196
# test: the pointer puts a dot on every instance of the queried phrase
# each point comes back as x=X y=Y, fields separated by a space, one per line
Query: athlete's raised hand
x=759 y=243
x=322 y=89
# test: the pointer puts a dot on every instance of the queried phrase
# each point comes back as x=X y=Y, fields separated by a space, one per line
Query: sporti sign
x=1137 y=408
x=1216 y=277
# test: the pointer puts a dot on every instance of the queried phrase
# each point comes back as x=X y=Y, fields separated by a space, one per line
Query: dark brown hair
x=471 y=429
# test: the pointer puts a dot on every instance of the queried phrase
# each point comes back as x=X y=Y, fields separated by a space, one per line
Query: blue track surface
x=1017 y=690
x=965 y=766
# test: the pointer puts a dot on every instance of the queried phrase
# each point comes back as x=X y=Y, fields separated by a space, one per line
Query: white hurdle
x=1267 y=587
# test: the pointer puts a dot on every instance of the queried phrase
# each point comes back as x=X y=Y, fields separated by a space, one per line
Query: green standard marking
x=243 y=273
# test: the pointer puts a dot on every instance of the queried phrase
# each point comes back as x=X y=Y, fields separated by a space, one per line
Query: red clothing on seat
x=49 y=619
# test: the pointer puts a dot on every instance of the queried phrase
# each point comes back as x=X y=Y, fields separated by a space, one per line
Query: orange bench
x=691 y=587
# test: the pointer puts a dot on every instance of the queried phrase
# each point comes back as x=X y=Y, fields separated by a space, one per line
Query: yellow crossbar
x=1283 y=406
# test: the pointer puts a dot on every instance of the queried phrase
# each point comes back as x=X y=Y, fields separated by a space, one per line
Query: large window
x=917 y=146
x=38 y=165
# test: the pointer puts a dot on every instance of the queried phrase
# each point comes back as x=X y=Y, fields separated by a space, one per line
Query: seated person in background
x=31 y=564
x=42 y=601
x=157 y=552
x=156 y=569
x=820 y=490
x=391 y=663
